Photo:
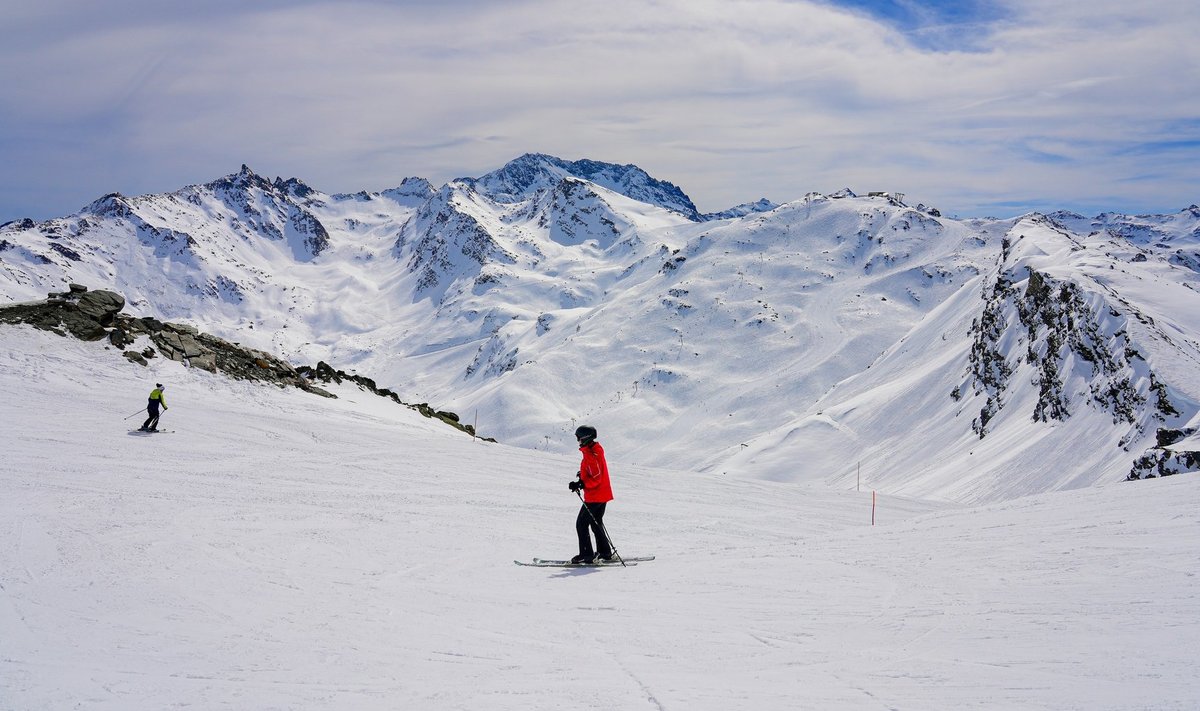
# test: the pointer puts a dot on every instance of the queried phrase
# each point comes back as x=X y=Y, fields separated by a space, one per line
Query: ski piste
x=545 y=563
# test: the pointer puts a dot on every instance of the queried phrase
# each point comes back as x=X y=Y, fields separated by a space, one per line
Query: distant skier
x=597 y=492
x=156 y=400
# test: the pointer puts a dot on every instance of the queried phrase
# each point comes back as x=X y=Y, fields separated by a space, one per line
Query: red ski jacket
x=593 y=471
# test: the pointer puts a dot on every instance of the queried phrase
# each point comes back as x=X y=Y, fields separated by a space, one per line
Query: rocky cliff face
x=1066 y=335
x=1078 y=343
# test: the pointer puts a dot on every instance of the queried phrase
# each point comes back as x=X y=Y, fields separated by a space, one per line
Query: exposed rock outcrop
x=86 y=315
x=327 y=374
x=96 y=315
x=1176 y=452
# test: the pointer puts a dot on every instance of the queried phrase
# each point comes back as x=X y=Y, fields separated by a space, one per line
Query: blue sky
x=980 y=107
x=944 y=25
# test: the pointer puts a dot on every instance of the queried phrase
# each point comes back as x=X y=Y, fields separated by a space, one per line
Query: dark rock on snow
x=327 y=374
x=96 y=315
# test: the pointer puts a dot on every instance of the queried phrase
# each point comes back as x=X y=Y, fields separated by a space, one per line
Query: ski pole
x=137 y=413
x=602 y=528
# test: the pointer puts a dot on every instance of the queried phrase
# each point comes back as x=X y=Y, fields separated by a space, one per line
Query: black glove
x=575 y=485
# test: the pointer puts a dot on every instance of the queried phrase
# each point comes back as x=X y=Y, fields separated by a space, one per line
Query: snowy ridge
x=746 y=208
x=784 y=343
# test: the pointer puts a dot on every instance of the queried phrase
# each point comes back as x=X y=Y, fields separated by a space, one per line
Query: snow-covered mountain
x=1054 y=368
x=963 y=359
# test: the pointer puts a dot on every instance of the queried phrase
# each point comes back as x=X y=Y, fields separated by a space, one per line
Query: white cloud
x=730 y=100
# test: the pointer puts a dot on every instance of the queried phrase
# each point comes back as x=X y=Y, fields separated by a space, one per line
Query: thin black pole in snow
x=137 y=413
x=602 y=528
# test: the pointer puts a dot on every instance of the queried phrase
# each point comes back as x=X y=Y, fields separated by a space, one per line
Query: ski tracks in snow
x=645 y=689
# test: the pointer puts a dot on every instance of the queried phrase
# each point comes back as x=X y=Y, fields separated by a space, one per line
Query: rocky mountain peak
x=521 y=178
x=411 y=191
x=244 y=179
x=293 y=187
x=110 y=205
x=25 y=223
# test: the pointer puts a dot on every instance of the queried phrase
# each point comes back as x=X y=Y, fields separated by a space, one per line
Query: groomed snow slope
x=283 y=551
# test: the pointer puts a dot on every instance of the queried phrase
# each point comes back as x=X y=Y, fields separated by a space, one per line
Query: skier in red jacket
x=597 y=492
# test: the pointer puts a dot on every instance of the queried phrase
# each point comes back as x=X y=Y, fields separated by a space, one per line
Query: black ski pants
x=151 y=422
x=591 y=517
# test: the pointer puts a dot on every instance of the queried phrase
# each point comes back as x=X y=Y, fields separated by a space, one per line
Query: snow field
x=284 y=551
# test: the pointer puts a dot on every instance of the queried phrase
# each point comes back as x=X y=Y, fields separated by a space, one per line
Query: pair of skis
x=544 y=563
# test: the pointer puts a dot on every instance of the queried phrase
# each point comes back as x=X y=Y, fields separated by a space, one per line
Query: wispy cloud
x=730 y=100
